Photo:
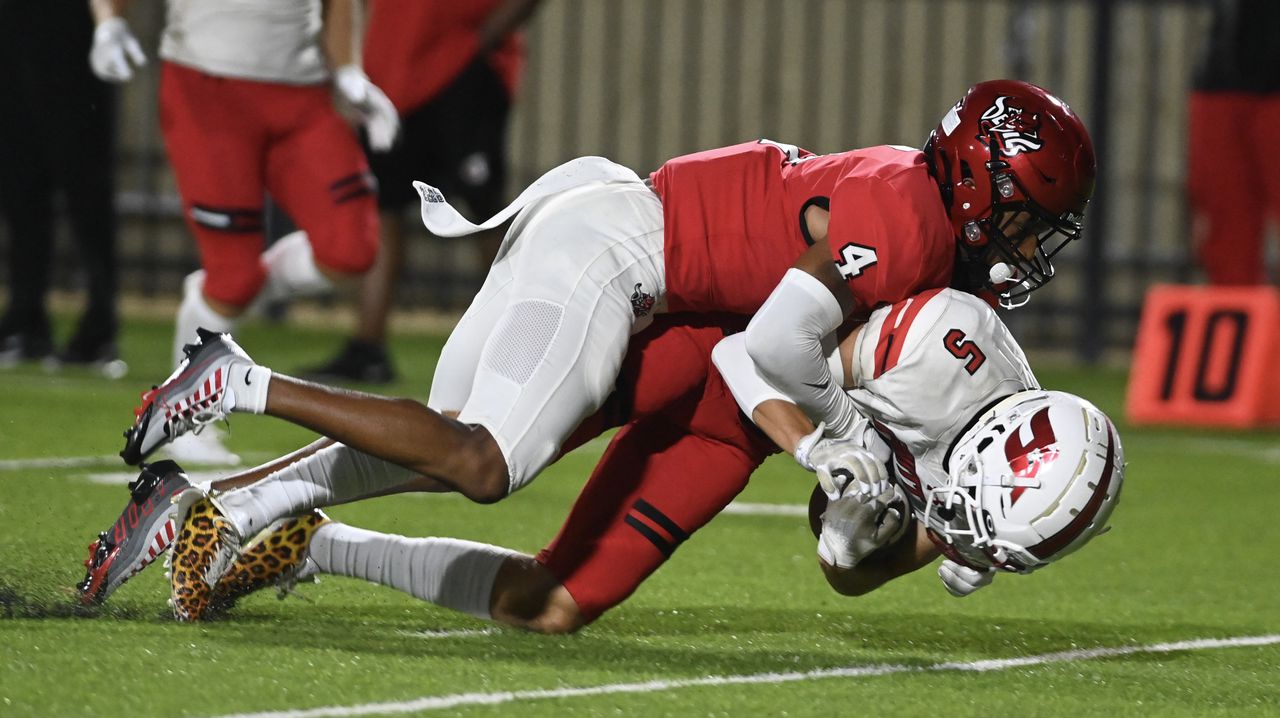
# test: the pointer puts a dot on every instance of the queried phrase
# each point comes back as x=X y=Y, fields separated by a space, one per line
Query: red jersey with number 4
x=734 y=223
x=925 y=366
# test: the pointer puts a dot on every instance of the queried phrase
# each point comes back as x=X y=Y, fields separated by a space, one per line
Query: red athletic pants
x=232 y=141
x=683 y=454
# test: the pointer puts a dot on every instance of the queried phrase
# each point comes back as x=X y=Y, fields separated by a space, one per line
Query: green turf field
x=739 y=623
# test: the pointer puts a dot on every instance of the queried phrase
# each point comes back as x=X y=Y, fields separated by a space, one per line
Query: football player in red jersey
x=249 y=104
x=593 y=254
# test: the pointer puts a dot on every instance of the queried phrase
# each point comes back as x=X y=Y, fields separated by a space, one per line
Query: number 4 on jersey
x=854 y=258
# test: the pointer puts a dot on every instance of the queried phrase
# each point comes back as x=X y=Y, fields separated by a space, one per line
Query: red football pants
x=1233 y=180
x=231 y=141
x=685 y=452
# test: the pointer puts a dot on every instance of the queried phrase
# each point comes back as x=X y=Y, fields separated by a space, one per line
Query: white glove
x=962 y=580
x=113 y=49
x=363 y=103
x=860 y=522
x=841 y=462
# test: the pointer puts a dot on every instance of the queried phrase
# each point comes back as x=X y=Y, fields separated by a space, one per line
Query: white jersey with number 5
x=926 y=367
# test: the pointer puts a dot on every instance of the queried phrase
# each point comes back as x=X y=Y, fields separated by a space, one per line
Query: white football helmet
x=1032 y=480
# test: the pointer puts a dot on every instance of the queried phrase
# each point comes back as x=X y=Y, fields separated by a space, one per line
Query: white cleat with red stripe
x=140 y=536
x=194 y=396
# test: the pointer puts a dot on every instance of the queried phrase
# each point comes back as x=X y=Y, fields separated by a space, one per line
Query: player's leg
x=26 y=202
x=655 y=486
x=145 y=528
x=317 y=172
x=364 y=357
x=1225 y=189
x=26 y=187
x=215 y=136
x=215 y=139
x=215 y=142
x=86 y=120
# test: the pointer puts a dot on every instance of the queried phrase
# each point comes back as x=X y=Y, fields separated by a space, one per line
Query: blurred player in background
x=685 y=451
x=1233 y=151
x=451 y=69
x=247 y=107
x=57 y=136
x=999 y=188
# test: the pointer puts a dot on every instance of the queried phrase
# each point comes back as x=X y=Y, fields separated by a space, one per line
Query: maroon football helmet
x=1015 y=167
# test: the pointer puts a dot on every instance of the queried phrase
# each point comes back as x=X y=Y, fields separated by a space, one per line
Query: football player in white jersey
x=1050 y=448
x=998 y=473
x=248 y=90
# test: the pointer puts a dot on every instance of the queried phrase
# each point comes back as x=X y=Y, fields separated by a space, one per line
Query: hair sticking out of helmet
x=1015 y=167
x=1034 y=479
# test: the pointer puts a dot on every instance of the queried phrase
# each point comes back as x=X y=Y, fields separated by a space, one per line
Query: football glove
x=840 y=463
x=962 y=580
x=114 y=49
x=361 y=102
x=861 y=521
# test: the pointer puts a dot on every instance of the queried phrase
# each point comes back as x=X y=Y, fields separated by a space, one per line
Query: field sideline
x=1173 y=613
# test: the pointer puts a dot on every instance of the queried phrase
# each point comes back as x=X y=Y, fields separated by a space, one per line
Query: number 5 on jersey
x=854 y=259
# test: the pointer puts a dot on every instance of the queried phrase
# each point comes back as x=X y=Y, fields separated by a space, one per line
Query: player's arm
x=503 y=20
x=343 y=25
x=106 y=9
x=785 y=336
x=359 y=100
x=913 y=551
x=115 y=51
x=839 y=463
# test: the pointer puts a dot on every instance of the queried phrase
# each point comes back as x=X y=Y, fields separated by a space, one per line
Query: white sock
x=194 y=313
x=448 y=572
x=291 y=270
x=333 y=475
x=247 y=389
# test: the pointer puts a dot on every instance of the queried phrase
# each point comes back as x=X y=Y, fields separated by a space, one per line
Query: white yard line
x=457 y=633
x=427 y=703
x=206 y=475
x=78 y=462
x=1234 y=447
x=743 y=508
x=121 y=478
x=58 y=462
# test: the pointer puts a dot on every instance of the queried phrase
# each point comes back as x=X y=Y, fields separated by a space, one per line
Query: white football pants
x=540 y=346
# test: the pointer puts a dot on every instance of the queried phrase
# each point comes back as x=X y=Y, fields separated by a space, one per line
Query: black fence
x=643 y=80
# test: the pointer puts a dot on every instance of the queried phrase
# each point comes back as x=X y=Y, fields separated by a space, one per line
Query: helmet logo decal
x=1013 y=130
x=1027 y=459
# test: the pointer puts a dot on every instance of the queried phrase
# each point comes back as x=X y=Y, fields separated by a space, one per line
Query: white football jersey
x=926 y=367
x=266 y=40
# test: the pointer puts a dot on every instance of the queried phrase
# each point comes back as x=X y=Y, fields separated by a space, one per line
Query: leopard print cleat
x=204 y=548
x=277 y=557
